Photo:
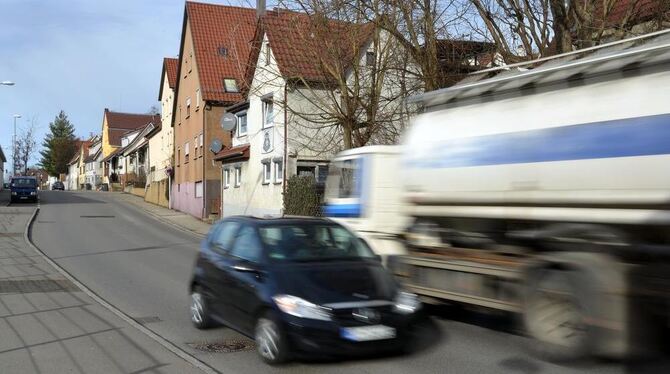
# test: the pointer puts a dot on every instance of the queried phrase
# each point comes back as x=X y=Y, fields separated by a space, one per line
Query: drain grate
x=226 y=346
x=32 y=286
x=145 y=320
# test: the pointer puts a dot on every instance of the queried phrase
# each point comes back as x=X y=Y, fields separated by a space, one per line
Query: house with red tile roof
x=213 y=57
x=93 y=163
x=288 y=77
x=114 y=126
x=161 y=139
x=76 y=177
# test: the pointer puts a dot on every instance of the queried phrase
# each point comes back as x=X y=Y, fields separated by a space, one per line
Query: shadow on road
x=426 y=335
x=64 y=197
x=489 y=319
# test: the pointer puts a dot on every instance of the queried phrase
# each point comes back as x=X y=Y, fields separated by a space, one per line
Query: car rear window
x=24 y=182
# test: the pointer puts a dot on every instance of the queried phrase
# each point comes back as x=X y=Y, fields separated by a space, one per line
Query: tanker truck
x=541 y=189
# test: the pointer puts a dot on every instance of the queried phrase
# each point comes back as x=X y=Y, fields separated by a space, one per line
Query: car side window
x=223 y=238
x=247 y=245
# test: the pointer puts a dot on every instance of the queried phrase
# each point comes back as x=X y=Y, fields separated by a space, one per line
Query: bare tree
x=26 y=146
x=523 y=29
x=346 y=76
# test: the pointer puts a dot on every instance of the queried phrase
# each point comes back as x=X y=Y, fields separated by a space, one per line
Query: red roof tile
x=170 y=65
x=238 y=153
x=631 y=12
x=219 y=29
x=308 y=47
x=120 y=123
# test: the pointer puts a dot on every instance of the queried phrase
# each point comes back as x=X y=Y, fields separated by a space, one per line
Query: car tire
x=555 y=312
x=271 y=340
x=200 y=315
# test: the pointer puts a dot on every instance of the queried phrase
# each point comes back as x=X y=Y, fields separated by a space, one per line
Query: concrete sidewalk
x=49 y=325
x=182 y=220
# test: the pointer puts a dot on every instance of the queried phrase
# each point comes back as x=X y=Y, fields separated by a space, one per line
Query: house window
x=197 y=98
x=186 y=152
x=279 y=171
x=268 y=113
x=242 y=124
x=230 y=85
x=226 y=178
x=198 y=189
x=188 y=107
x=370 y=58
x=201 y=144
x=178 y=157
x=190 y=58
x=267 y=172
x=267 y=54
x=195 y=147
x=238 y=176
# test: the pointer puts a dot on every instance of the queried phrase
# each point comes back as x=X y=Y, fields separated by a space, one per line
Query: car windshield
x=312 y=242
x=24 y=182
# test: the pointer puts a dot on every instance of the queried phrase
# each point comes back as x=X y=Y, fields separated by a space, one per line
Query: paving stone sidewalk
x=48 y=325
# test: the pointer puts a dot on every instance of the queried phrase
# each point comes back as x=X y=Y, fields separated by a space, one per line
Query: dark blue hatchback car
x=23 y=189
x=299 y=285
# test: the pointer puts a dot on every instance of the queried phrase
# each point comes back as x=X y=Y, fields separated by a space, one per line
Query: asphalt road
x=142 y=266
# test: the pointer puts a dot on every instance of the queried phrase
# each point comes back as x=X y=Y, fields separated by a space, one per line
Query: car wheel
x=200 y=316
x=270 y=340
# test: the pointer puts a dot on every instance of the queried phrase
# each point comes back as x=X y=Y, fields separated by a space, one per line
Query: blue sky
x=82 y=56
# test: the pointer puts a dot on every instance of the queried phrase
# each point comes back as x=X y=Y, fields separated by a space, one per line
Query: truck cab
x=23 y=189
x=363 y=193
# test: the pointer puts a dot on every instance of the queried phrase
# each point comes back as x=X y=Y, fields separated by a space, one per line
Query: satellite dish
x=228 y=121
x=216 y=146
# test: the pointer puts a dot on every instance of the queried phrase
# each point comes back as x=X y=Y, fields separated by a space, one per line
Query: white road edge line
x=159 y=339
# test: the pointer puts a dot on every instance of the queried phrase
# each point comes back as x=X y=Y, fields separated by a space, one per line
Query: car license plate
x=23 y=197
x=367 y=333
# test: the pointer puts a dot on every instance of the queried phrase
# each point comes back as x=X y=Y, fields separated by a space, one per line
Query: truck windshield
x=343 y=179
x=312 y=242
x=24 y=182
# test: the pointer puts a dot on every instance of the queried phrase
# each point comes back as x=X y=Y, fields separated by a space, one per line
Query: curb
x=126 y=318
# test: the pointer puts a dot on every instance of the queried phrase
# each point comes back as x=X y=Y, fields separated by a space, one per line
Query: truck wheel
x=555 y=317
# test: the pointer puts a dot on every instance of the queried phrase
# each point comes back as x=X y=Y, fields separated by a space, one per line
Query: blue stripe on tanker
x=638 y=136
x=342 y=210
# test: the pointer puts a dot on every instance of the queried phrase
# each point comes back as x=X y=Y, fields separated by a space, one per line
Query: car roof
x=24 y=177
x=295 y=220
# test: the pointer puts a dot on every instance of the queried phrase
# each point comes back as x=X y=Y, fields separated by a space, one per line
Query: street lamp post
x=15 y=147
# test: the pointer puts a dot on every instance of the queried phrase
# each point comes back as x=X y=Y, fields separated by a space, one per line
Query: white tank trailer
x=543 y=190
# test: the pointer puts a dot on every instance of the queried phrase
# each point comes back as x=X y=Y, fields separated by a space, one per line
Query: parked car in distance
x=299 y=285
x=23 y=188
x=58 y=186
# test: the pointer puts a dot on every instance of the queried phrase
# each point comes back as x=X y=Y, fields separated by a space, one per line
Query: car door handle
x=243 y=269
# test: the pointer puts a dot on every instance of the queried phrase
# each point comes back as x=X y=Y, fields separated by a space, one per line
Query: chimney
x=260 y=8
x=106 y=110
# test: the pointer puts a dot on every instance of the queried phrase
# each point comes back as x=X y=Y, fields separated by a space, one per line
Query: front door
x=246 y=277
x=216 y=264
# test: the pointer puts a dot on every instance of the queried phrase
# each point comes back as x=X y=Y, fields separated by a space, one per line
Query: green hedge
x=302 y=197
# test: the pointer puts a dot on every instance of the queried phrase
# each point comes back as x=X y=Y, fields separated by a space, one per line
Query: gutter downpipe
x=204 y=163
x=285 y=143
